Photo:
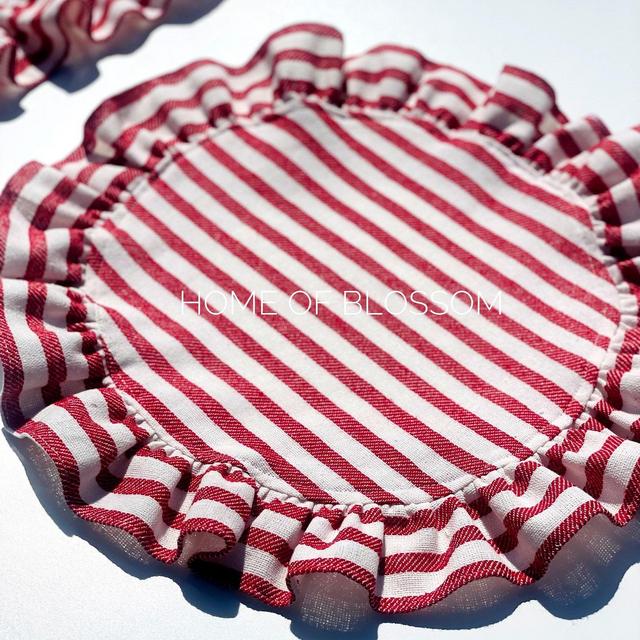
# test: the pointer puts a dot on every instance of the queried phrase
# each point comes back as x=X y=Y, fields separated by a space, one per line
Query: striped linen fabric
x=241 y=320
x=36 y=36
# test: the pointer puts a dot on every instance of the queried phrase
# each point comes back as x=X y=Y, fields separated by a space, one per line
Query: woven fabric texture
x=36 y=36
x=317 y=314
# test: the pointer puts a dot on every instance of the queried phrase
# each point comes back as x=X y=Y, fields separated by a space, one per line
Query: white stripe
x=617 y=475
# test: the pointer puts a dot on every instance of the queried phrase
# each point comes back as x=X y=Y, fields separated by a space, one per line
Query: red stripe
x=39 y=224
x=377 y=76
x=269 y=542
x=442 y=114
x=347 y=568
x=13 y=378
x=531 y=78
x=620 y=156
x=260 y=588
x=596 y=464
x=8 y=199
x=346 y=534
x=517 y=107
x=53 y=354
x=443 y=86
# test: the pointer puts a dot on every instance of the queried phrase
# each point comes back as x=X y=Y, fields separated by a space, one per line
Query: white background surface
x=56 y=584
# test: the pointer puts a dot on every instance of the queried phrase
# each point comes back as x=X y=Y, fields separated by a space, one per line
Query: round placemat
x=317 y=314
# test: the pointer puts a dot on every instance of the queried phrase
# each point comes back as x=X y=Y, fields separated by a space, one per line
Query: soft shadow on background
x=581 y=580
x=81 y=69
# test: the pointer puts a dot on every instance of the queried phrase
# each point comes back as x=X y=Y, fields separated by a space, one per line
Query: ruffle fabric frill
x=508 y=524
x=37 y=36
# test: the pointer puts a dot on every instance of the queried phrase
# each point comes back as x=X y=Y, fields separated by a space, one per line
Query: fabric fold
x=36 y=37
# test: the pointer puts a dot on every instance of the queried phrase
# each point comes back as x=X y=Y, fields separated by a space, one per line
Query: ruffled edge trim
x=34 y=41
x=116 y=471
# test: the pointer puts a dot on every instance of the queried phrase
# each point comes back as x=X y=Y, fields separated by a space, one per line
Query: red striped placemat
x=362 y=315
